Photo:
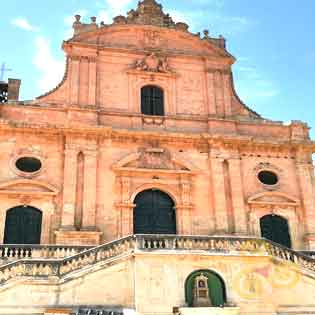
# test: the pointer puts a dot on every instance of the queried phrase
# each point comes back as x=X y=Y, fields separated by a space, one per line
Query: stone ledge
x=58 y=312
x=228 y=310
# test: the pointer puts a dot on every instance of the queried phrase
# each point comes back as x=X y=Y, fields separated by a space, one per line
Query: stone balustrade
x=14 y=252
x=44 y=268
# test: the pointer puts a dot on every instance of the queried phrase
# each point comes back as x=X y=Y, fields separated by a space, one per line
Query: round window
x=268 y=178
x=28 y=164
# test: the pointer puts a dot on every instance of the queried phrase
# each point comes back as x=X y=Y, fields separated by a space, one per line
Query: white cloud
x=24 y=24
x=112 y=8
x=52 y=69
x=252 y=84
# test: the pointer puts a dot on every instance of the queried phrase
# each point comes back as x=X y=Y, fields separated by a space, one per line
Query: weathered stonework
x=98 y=152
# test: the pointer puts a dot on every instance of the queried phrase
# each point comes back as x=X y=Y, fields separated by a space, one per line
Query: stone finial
x=120 y=19
x=182 y=26
x=77 y=18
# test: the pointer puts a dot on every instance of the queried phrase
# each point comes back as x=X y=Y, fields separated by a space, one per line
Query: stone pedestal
x=310 y=241
x=78 y=237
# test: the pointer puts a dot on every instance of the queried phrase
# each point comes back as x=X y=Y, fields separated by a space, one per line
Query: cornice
x=212 y=140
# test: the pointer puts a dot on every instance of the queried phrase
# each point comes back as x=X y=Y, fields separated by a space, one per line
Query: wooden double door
x=154 y=213
x=276 y=228
x=23 y=225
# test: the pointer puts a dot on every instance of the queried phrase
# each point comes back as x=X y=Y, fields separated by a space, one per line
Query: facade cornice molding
x=221 y=141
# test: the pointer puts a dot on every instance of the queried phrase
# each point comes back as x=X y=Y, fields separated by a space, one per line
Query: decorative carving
x=155 y=158
x=153 y=63
x=186 y=191
x=125 y=189
x=151 y=38
x=149 y=12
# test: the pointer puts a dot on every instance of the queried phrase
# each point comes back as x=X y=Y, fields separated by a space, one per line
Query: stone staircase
x=50 y=266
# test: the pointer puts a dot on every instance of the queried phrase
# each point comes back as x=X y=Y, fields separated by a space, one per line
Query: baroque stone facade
x=76 y=160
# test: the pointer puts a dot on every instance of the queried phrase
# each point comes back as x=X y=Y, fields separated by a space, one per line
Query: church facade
x=143 y=184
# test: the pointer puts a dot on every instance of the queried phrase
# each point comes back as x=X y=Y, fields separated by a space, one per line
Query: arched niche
x=216 y=287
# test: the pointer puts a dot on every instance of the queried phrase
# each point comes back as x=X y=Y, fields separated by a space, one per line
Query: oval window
x=28 y=164
x=268 y=178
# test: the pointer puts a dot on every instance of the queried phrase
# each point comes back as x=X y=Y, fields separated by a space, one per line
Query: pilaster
x=92 y=81
x=69 y=189
x=237 y=192
x=74 y=79
x=220 y=203
x=89 y=192
x=307 y=192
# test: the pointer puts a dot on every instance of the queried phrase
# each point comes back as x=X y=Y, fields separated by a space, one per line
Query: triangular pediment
x=154 y=159
x=27 y=186
x=144 y=37
x=272 y=197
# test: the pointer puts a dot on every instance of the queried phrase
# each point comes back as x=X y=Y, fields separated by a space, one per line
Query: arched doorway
x=23 y=225
x=275 y=228
x=215 y=284
x=154 y=213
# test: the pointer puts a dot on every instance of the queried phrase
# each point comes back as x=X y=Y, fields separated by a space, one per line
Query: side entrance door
x=23 y=225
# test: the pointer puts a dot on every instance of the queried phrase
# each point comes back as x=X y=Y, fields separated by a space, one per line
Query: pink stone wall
x=213 y=144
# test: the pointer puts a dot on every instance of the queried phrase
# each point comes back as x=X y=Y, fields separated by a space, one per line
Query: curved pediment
x=27 y=186
x=142 y=37
x=273 y=198
x=154 y=159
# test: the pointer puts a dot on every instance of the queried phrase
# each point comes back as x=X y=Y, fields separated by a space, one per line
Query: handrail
x=43 y=268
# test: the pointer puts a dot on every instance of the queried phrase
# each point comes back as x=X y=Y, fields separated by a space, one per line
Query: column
x=220 y=206
x=69 y=189
x=304 y=170
x=89 y=190
x=237 y=191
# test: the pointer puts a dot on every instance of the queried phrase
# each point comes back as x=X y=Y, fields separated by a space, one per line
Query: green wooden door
x=154 y=213
x=276 y=229
x=23 y=226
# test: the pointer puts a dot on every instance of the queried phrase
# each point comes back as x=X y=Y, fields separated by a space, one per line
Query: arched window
x=216 y=292
x=23 y=225
x=276 y=229
x=154 y=213
x=152 y=101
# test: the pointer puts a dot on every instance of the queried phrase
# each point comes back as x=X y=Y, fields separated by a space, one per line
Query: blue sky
x=272 y=40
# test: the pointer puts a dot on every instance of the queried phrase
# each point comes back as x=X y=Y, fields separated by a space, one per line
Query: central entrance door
x=276 y=229
x=23 y=226
x=154 y=213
